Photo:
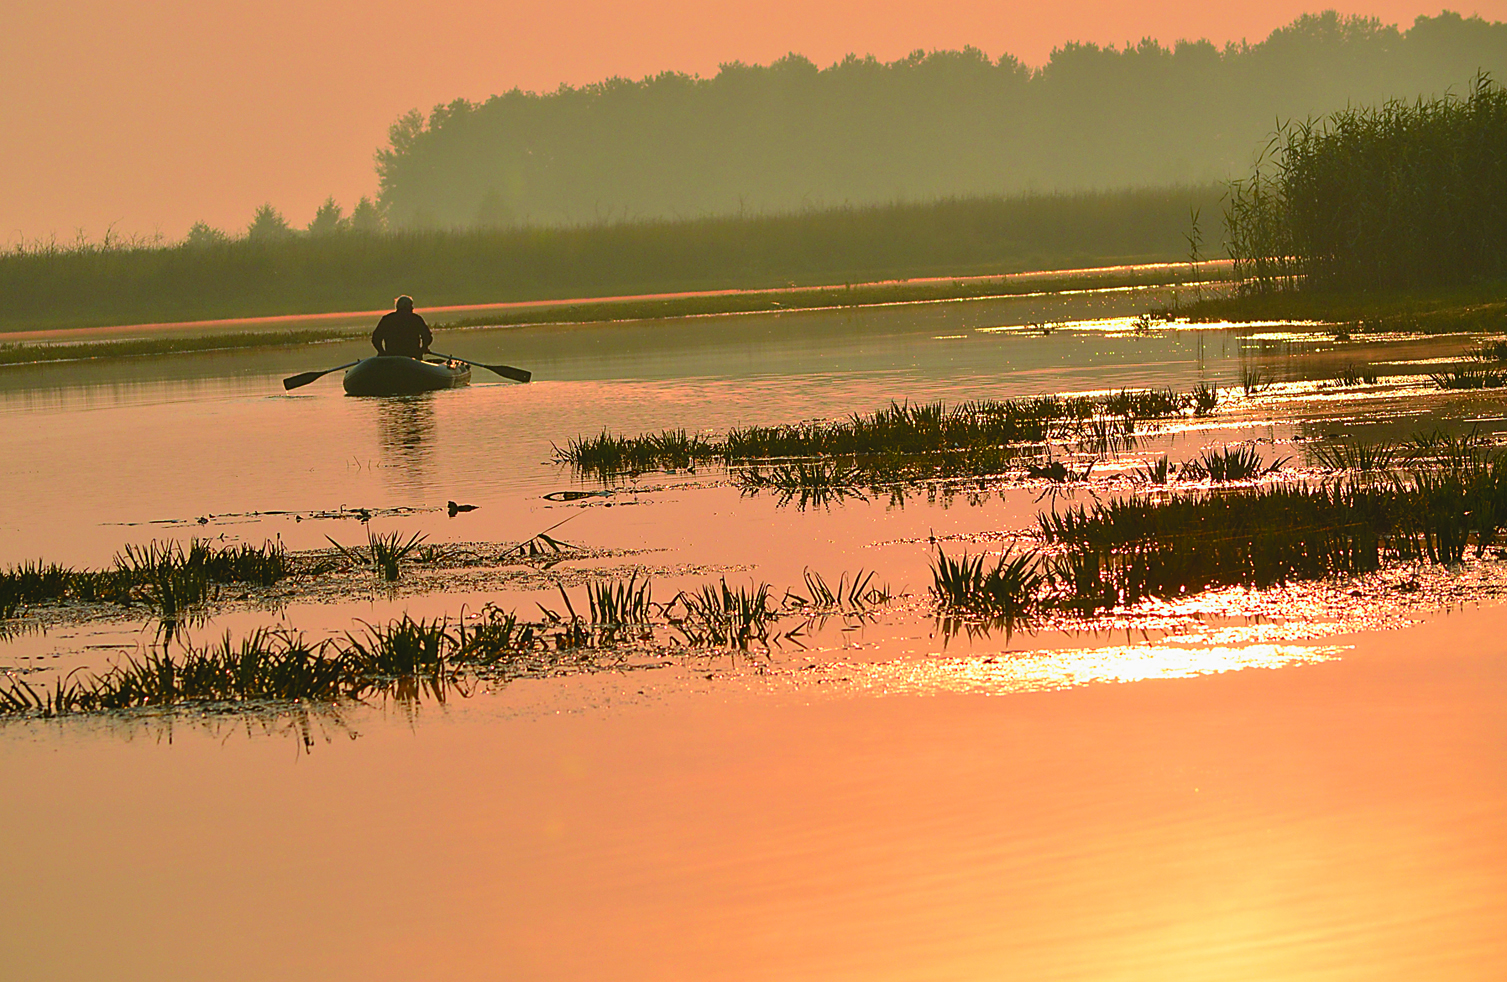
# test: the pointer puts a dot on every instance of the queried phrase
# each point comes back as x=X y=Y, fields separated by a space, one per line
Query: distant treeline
x=787 y=136
x=257 y=275
x=1391 y=197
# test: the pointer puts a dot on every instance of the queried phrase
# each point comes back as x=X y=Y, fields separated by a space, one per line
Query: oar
x=506 y=371
x=294 y=381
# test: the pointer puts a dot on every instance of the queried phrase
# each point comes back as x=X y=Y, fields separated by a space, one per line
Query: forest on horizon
x=791 y=136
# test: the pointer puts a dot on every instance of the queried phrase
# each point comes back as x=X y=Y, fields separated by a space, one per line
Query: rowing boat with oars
x=396 y=375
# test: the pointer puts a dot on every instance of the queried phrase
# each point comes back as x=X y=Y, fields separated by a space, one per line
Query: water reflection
x=406 y=428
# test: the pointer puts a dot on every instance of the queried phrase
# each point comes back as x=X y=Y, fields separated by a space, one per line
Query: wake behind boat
x=399 y=375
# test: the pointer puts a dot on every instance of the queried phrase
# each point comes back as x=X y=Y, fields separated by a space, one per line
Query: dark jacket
x=402 y=332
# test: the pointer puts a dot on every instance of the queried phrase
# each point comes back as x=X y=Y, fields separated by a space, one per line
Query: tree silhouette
x=268 y=224
x=328 y=220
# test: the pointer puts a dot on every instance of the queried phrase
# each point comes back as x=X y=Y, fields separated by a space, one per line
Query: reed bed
x=161 y=574
x=1452 y=495
x=888 y=436
x=1392 y=197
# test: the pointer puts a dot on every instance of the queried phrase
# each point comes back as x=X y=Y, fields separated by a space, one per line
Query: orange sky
x=153 y=114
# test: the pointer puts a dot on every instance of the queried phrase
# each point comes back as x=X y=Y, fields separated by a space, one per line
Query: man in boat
x=402 y=332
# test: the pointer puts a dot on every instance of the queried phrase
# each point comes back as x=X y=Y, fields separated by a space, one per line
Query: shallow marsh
x=1297 y=779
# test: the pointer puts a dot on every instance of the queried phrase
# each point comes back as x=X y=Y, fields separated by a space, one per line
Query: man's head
x=403 y=303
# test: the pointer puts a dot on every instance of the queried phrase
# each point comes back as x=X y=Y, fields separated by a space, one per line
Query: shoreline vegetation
x=54 y=287
x=1201 y=275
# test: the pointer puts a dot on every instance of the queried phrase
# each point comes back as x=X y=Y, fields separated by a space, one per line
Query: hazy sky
x=152 y=114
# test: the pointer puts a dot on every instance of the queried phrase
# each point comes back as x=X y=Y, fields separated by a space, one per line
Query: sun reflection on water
x=1038 y=671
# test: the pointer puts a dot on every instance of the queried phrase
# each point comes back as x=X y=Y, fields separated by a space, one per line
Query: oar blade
x=508 y=371
x=294 y=381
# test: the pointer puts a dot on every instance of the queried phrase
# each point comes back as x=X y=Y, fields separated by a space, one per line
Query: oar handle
x=506 y=371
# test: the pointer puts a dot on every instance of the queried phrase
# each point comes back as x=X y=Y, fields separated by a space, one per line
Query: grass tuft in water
x=384 y=553
x=1241 y=463
x=1469 y=377
x=722 y=616
x=1007 y=588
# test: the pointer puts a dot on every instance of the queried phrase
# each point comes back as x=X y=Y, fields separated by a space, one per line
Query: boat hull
x=395 y=375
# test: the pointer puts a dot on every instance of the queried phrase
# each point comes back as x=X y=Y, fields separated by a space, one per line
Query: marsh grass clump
x=1489 y=351
x=1397 y=196
x=1254 y=381
x=497 y=636
x=1205 y=399
x=1007 y=588
x=1228 y=464
x=1465 y=451
x=1123 y=550
x=32 y=583
x=384 y=553
x=163 y=575
x=1157 y=471
x=611 y=455
x=1469 y=377
x=620 y=603
x=1350 y=375
x=719 y=616
x=1355 y=456
x=401 y=648
x=266 y=666
x=859 y=593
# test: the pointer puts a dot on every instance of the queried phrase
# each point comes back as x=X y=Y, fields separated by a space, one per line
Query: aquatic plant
x=1396 y=196
x=884 y=438
x=1355 y=456
x=1205 y=399
x=1157 y=471
x=619 y=603
x=497 y=636
x=1469 y=377
x=721 y=616
x=383 y=553
x=402 y=648
x=1122 y=550
x=1220 y=465
x=857 y=594
x=1254 y=381
x=1007 y=588
x=1490 y=351
x=1351 y=375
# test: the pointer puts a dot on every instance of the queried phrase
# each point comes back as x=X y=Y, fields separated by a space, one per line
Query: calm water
x=887 y=806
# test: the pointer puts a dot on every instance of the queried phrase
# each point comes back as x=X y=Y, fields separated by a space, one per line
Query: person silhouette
x=402 y=332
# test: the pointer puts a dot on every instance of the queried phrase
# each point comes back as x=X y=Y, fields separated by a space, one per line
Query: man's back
x=402 y=332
